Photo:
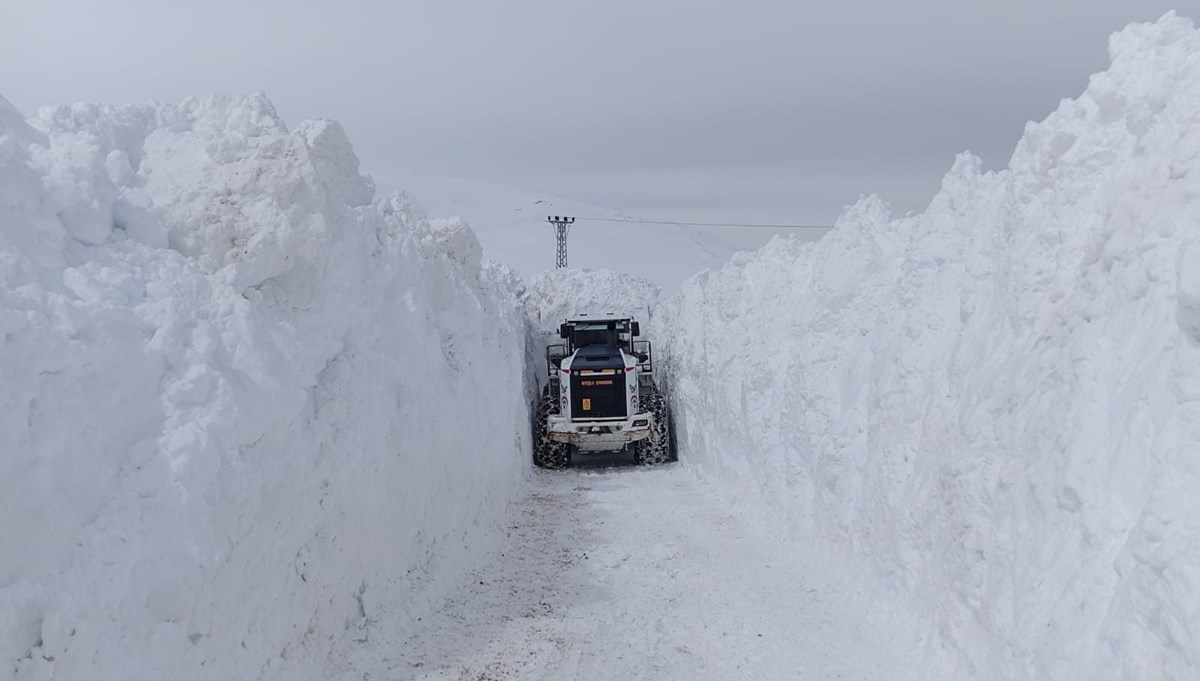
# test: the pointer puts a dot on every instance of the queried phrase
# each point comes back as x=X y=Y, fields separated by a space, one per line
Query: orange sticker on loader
x=587 y=404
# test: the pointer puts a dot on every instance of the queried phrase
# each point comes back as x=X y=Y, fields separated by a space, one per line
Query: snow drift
x=244 y=411
x=552 y=297
x=993 y=407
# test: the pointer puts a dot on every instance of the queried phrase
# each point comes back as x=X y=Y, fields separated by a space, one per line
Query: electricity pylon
x=561 y=226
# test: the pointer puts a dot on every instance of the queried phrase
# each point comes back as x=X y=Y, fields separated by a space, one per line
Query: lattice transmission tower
x=562 y=225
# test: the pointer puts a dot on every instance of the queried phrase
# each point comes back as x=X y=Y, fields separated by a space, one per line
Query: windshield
x=601 y=333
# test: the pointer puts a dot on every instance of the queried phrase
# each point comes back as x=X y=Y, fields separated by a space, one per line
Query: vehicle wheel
x=546 y=452
x=655 y=449
x=672 y=442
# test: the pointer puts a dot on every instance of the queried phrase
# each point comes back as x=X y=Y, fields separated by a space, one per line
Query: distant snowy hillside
x=511 y=225
x=244 y=411
x=991 y=410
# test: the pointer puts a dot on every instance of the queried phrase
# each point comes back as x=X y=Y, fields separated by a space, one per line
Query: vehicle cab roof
x=592 y=319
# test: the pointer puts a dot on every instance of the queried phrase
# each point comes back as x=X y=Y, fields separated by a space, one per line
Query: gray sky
x=752 y=110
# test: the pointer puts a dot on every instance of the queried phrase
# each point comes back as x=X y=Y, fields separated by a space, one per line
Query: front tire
x=546 y=452
x=655 y=449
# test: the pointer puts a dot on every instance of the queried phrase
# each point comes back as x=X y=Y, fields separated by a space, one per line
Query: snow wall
x=246 y=413
x=990 y=410
x=555 y=296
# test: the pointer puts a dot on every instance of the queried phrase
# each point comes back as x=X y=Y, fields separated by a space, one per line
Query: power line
x=676 y=223
x=682 y=223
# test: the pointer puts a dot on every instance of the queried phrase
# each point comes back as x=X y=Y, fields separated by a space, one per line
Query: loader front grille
x=598 y=395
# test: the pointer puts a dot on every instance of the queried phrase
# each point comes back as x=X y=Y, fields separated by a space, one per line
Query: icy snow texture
x=993 y=407
x=243 y=410
x=554 y=296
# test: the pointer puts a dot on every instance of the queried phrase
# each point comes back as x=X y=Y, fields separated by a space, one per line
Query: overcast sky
x=755 y=110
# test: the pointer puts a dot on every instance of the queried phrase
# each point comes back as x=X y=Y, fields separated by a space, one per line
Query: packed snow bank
x=552 y=297
x=244 y=412
x=993 y=407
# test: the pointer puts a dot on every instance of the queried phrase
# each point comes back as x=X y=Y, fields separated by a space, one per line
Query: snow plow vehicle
x=601 y=395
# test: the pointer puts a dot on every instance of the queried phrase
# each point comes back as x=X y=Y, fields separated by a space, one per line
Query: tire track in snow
x=634 y=574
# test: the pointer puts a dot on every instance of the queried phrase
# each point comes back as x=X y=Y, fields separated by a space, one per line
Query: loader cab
x=600 y=394
x=615 y=333
x=596 y=341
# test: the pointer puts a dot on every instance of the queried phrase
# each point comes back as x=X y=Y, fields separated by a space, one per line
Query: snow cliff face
x=245 y=410
x=554 y=296
x=992 y=407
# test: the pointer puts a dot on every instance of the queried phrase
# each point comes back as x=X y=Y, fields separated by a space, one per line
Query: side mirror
x=635 y=329
x=564 y=331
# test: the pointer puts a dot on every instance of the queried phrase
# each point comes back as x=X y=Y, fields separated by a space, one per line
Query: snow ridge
x=993 y=407
x=247 y=411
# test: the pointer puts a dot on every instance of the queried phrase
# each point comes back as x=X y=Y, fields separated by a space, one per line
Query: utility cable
x=675 y=223
x=684 y=223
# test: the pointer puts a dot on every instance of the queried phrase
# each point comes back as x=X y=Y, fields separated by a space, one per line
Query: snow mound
x=994 y=407
x=246 y=412
x=552 y=297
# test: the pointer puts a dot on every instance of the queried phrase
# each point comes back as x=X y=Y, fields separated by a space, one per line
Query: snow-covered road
x=628 y=573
